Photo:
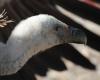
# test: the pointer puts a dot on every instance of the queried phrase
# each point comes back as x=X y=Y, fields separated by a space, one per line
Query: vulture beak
x=77 y=35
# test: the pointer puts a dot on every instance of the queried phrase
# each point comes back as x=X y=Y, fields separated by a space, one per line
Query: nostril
x=72 y=28
x=77 y=32
x=74 y=31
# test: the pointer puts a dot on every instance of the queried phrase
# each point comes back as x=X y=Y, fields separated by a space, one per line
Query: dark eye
x=57 y=28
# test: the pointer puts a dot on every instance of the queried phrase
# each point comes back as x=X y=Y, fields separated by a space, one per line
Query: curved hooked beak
x=77 y=35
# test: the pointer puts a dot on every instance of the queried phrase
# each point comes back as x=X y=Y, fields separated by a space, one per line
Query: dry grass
x=4 y=19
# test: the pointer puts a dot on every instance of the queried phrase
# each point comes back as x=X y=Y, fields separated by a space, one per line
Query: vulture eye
x=57 y=28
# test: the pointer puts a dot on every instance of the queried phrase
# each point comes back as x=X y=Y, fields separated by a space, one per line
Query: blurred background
x=66 y=61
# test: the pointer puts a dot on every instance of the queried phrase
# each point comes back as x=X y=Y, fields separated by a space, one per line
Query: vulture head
x=32 y=35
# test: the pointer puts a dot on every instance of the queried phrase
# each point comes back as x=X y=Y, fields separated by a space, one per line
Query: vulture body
x=32 y=35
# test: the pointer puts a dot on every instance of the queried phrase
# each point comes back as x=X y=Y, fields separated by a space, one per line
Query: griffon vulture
x=32 y=35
